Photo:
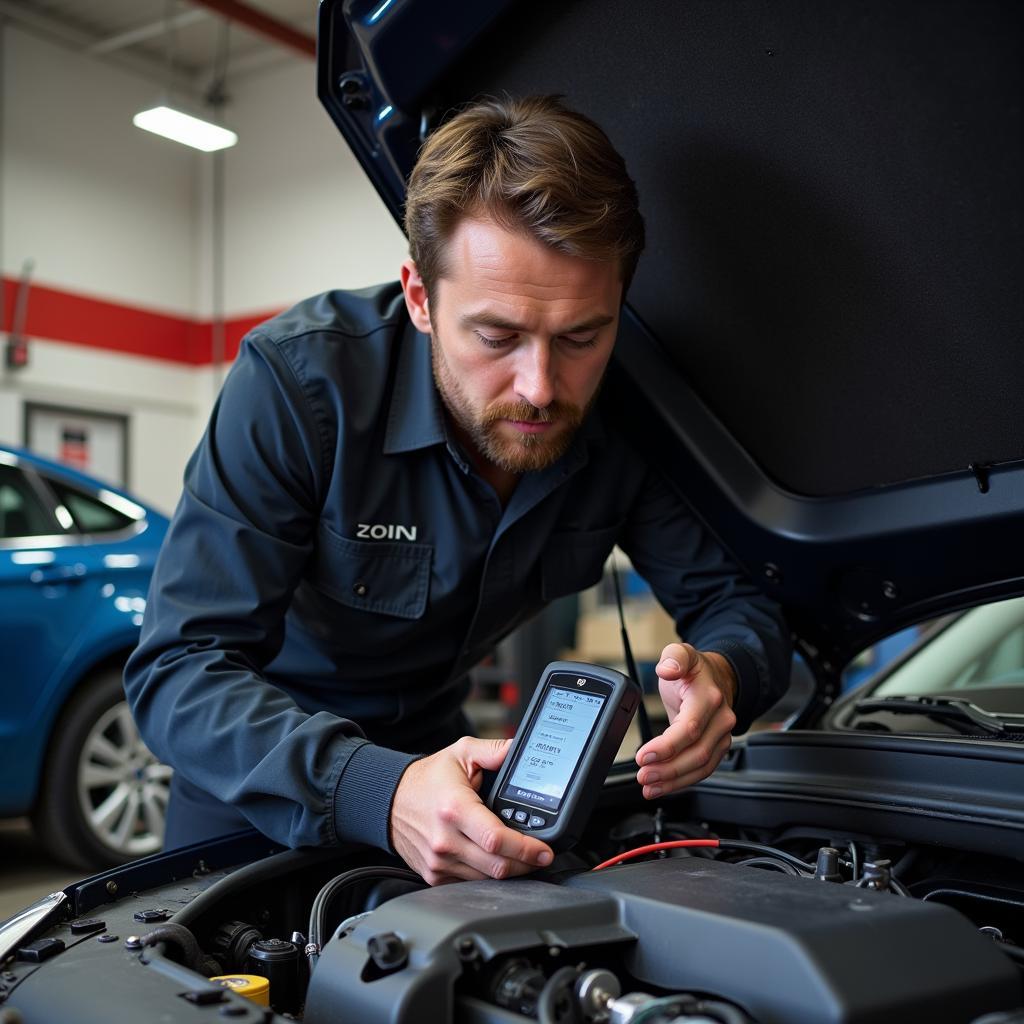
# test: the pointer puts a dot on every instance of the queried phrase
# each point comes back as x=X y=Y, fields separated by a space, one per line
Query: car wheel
x=104 y=795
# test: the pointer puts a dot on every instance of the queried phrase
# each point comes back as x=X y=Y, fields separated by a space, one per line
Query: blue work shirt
x=336 y=566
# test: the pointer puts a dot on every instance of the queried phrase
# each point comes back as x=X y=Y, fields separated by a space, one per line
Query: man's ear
x=416 y=300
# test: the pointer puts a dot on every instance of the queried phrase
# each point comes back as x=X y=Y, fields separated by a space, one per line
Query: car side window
x=90 y=514
x=22 y=513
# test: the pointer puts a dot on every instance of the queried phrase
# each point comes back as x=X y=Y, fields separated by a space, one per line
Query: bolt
x=387 y=951
x=133 y=942
x=112 y=888
x=152 y=916
x=772 y=572
x=889 y=591
x=107 y=938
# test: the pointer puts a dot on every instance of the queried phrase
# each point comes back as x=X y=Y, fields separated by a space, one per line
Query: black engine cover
x=788 y=950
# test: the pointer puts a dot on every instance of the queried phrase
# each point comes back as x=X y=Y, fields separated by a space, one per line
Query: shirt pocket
x=574 y=560
x=387 y=577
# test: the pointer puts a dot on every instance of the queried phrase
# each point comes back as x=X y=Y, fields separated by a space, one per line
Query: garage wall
x=119 y=223
x=100 y=214
x=301 y=215
x=89 y=197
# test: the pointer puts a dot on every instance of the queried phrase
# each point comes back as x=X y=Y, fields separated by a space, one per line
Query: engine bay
x=649 y=922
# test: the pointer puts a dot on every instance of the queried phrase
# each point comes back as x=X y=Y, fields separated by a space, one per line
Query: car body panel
x=68 y=604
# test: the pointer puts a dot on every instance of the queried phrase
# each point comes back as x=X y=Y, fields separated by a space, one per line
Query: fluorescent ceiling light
x=183 y=128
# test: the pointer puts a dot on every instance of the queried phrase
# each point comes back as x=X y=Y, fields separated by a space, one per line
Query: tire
x=103 y=797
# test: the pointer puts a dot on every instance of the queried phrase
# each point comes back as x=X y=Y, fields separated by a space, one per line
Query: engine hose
x=191 y=955
x=685 y=1007
x=772 y=863
x=322 y=902
x=554 y=987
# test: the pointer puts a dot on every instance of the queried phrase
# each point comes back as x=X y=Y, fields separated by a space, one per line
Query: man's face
x=521 y=336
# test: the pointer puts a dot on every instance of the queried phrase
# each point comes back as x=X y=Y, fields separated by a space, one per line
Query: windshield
x=980 y=657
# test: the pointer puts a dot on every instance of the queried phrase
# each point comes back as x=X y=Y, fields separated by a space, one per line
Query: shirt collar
x=416 y=417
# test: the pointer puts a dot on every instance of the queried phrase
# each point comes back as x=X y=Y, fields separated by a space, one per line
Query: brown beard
x=522 y=454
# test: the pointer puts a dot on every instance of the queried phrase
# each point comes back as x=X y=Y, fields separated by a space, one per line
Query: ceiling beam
x=263 y=24
x=150 y=30
x=79 y=41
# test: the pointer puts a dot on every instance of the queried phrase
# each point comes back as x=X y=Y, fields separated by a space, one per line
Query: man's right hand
x=441 y=828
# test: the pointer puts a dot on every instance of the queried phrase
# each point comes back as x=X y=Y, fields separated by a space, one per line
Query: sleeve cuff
x=749 y=700
x=364 y=794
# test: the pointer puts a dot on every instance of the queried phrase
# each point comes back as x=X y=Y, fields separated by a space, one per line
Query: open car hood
x=822 y=344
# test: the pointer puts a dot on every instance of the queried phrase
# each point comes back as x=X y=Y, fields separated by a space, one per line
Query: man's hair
x=529 y=165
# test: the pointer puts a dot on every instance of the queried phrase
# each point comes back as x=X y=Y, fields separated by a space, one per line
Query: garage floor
x=26 y=871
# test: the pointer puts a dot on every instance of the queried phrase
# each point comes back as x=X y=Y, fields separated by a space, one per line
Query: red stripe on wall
x=59 y=315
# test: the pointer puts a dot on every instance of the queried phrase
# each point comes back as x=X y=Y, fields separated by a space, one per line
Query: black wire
x=896 y=886
x=771 y=862
x=687 y=1007
x=321 y=904
x=769 y=851
x=644 y=722
x=547 y=1001
x=688 y=832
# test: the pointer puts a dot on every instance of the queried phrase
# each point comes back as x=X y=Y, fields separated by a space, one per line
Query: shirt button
x=361 y=589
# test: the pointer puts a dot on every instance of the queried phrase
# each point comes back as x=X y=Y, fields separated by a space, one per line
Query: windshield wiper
x=961 y=714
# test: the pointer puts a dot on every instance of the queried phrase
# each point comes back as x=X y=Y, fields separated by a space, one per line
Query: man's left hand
x=698 y=690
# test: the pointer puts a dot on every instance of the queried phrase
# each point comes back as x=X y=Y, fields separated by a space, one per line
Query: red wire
x=653 y=848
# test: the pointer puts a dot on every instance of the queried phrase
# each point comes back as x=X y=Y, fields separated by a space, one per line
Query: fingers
x=691 y=766
x=471 y=843
x=476 y=756
x=440 y=827
x=678 y=661
x=696 y=712
x=475 y=753
x=699 y=703
x=699 y=734
x=502 y=851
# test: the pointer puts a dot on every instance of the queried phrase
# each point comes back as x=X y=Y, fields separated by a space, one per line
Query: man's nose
x=535 y=376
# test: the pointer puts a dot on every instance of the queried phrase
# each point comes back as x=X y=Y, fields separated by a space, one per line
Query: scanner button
x=521 y=817
x=536 y=821
x=506 y=813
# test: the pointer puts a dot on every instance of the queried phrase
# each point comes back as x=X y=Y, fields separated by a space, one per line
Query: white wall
x=101 y=207
x=301 y=215
x=109 y=211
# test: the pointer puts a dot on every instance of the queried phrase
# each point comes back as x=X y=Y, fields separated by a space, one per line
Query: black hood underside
x=824 y=337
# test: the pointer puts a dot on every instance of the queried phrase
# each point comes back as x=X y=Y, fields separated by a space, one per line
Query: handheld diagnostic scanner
x=567 y=741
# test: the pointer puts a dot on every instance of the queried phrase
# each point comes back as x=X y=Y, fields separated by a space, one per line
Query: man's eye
x=575 y=341
x=492 y=342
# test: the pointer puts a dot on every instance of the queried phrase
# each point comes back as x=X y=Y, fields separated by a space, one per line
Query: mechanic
x=393 y=479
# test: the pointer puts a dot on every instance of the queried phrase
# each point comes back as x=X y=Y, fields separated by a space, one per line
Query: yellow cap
x=252 y=986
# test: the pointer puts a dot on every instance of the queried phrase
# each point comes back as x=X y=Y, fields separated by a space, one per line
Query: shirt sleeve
x=215 y=617
x=714 y=605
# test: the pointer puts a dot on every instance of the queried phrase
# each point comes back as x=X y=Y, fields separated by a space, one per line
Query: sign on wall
x=92 y=442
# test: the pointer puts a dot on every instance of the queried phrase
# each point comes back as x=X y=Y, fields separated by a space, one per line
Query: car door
x=40 y=599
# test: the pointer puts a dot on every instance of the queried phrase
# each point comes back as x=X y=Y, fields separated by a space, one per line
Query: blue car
x=75 y=561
